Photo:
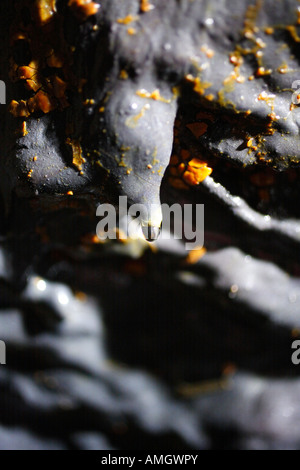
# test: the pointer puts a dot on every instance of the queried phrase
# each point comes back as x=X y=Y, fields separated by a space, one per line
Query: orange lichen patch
x=268 y=98
x=259 y=55
x=19 y=108
x=240 y=79
x=272 y=116
x=176 y=90
x=44 y=35
x=199 y=86
x=284 y=68
x=146 y=6
x=195 y=255
x=44 y=11
x=59 y=87
x=269 y=30
x=154 y=95
x=235 y=58
x=293 y=106
x=89 y=102
x=83 y=9
x=185 y=171
x=251 y=17
x=196 y=163
x=41 y=102
x=55 y=60
x=207 y=51
x=298 y=15
x=262 y=72
x=127 y=20
x=196 y=172
x=131 y=31
x=18 y=36
x=132 y=121
x=81 y=296
x=32 y=85
x=78 y=159
x=123 y=74
x=197 y=128
x=293 y=32
x=260 y=44
x=249 y=142
x=70 y=193
x=90 y=239
x=24 y=129
x=26 y=71
x=233 y=77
